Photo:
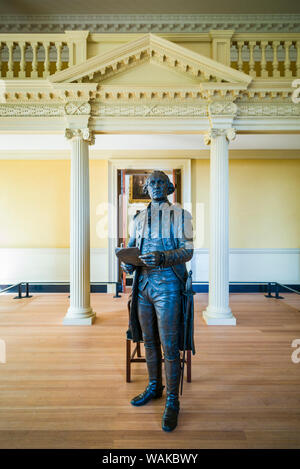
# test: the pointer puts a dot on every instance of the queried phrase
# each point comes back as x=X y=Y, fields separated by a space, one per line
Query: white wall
x=46 y=265
x=52 y=265
x=253 y=265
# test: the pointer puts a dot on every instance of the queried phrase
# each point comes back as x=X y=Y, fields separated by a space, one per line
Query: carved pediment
x=157 y=51
x=148 y=73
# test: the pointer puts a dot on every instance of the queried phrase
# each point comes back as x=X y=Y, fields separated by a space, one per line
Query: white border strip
x=52 y=265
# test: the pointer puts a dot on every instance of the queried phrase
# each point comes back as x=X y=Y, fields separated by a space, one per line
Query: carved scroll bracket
x=229 y=133
x=221 y=115
x=84 y=134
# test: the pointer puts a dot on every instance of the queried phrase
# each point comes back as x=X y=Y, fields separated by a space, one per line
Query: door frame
x=184 y=164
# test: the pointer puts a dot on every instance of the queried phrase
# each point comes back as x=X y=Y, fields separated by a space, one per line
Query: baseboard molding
x=246 y=288
x=198 y=288
x=56 y=288
x=245 y=265
x=253 y=265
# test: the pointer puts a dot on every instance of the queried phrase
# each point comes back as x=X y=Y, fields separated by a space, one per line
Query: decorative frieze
x=148 y=110
x=276 y=109
x=193 y=108
x=195 y=23
x=31 y=110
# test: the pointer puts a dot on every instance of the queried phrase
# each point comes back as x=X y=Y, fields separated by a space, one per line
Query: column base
x=213 y=319
x=79 y=319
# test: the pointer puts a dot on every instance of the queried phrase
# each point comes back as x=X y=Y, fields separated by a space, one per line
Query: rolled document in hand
x=129 y=256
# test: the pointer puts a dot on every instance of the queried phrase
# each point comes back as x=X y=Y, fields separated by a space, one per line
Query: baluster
x=46 y=62
x=298 y=59
x=58 y=46
x=65 y=55
x=240 y=57
x=276 y=72
x=252 y=71
x=1 y=48
x=71 y=53
x=264 y=71
x=22 y=72
x=34 y=73
x=287 y=62
x=10 y=63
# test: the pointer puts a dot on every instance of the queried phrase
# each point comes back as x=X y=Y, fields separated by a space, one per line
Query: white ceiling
x=39 y=7
x=27 y=142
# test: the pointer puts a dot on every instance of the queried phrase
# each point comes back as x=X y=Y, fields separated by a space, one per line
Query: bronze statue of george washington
x=163 y=232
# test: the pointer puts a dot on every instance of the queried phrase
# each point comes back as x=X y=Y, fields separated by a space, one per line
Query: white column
x=80 y=311
x=218 y=311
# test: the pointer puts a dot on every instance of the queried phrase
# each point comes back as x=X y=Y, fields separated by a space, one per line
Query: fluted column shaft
x=218 y=310
x=80 y=311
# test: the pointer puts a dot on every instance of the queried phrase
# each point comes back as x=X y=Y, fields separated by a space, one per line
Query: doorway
x=116 y=179
x=132 y=200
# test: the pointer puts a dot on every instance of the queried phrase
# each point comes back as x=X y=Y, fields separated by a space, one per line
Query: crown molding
x=194 y=23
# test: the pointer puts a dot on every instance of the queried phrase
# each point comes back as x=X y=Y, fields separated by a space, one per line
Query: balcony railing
x=40 y=55
x=33 y=56
x=268 y=56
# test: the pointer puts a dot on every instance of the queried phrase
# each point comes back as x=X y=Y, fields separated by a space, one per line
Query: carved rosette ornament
x=77 y=108
x=85 y=134
x=229 y=133
x=222 y=108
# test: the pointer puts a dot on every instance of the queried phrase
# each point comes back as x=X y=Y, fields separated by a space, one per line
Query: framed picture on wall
x=136 y=184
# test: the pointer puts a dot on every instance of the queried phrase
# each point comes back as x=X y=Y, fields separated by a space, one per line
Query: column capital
x=77 y=111
x=229 y=133
x=84 y=134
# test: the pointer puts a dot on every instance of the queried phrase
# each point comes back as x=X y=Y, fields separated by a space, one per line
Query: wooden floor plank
x=64 y=386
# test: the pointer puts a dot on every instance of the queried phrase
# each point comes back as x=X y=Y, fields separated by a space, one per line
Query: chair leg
x=128 y=360
x=138 y=349
x=189 y=366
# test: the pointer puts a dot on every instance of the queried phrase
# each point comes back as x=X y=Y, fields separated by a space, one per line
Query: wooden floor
x=64 y=387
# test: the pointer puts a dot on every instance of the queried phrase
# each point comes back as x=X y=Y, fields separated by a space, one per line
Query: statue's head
x=158 y=186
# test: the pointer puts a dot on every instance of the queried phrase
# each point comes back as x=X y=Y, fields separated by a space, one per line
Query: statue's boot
x=170 y=415
x=155 y=388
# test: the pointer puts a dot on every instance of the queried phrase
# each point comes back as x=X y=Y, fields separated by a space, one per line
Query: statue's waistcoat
x=177 y=247
x=162 y=278
x=162 y=236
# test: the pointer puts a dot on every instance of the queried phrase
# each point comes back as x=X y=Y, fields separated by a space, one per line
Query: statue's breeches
x=159 y=313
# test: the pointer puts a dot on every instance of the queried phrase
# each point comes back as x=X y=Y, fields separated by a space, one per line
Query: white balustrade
x=37 y=56
x=40 y=55
x=266 y=57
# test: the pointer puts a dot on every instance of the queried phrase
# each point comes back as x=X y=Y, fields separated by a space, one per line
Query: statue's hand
x=152 y=259
x=128 y=268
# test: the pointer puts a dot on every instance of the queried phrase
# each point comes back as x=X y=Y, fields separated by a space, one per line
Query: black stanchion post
x=277 y=296
x=117 y=291
x=27 y=291
x=19 y=292
x=269 y=295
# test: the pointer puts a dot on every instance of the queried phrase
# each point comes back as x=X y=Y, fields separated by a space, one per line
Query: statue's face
x=157 y=188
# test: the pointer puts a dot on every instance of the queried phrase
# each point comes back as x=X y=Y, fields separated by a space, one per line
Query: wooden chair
x=136 y=357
